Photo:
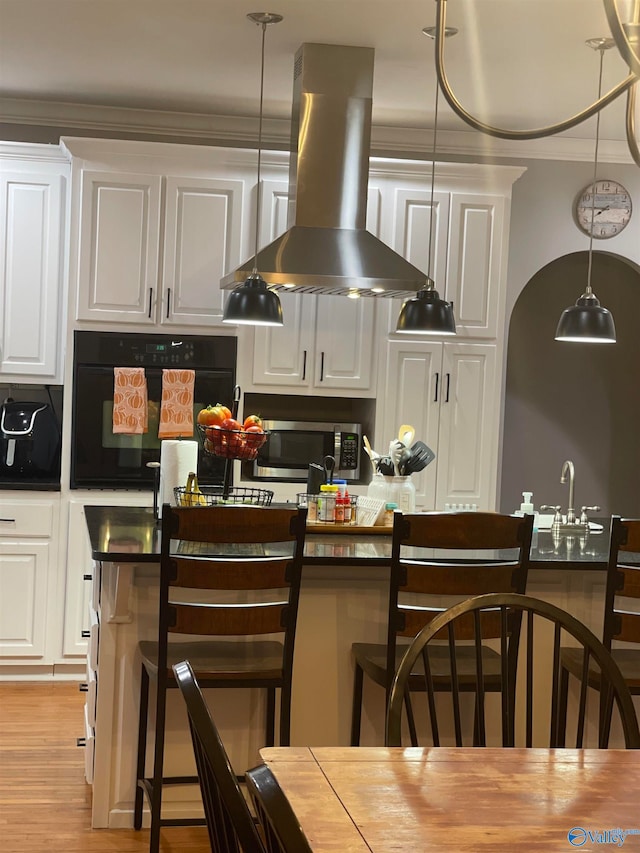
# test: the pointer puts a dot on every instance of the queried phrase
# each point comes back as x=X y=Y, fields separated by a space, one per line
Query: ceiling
x=517 y=63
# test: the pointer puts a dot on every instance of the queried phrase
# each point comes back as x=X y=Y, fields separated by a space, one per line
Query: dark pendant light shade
x=253 y=304
x=587 y=322
x=426 y=314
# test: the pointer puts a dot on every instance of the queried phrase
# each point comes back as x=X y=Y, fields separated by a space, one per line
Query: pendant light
x=426 y=313
x=252 y=303
x=587 y=321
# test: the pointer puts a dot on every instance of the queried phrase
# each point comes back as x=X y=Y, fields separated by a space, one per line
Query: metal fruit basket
x=231 y=443
x=215 y=496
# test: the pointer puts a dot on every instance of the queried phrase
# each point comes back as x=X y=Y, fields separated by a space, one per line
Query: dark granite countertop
x=131 y=534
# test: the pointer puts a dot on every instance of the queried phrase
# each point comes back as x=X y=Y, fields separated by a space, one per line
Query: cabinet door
x=413 y=217
x=78 y=587
x=31 y=264
x=411 y=396
x=119 y=247
x=344 y=342
x=282 y=356
x=474 y=273
x=468 y=435
x=24 y=568
x=203 y=223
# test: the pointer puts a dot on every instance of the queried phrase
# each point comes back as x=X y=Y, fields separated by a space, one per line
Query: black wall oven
x=102 y=460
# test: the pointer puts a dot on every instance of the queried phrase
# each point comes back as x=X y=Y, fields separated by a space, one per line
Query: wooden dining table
x=358 y=799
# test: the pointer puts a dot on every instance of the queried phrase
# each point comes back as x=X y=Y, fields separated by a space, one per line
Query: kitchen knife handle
x=435 y=399
x=304 y=365
x=448 y=385
x=168 y=301
x=321 y=366
x=150 y=302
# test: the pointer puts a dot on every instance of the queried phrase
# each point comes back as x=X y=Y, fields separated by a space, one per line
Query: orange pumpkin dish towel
x=130 y=415
x=176 y=406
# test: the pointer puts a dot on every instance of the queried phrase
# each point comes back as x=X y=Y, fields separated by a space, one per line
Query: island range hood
x=327 y=249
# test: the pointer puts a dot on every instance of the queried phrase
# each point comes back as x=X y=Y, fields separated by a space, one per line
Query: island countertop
x=132 y=534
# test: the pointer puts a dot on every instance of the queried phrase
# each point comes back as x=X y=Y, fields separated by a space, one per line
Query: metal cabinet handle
x=87 y=577
x=448 y=385
x=304 y=365
x=435 y=398
x=321 y=366
x=8 y=520
x=168 y=301
x=150 y=301
x=85 y=634
x=81 y=741
x=84 y=687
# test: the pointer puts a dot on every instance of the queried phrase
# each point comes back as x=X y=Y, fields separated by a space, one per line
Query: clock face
x=608 y=205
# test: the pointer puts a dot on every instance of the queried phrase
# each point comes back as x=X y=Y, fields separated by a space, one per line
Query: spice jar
x=389 y=510
x=327 y=502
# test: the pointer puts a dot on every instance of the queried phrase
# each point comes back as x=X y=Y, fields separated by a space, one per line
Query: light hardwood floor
x=45 y=803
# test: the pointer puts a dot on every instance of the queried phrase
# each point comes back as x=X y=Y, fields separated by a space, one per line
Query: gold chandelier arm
x=632 y=139
x=536 y=133
x=630 y=55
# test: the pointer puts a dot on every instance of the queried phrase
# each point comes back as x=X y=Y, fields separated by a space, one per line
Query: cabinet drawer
x=26 y=519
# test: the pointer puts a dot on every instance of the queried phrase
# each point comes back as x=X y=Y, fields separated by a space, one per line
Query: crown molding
x=197 y=128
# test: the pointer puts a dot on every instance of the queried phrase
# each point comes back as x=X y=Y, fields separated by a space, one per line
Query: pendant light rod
x=431 y=33
x=600 y=44
x=252 y=303
x=587 y=321
x=263 y=19
x=433 y=179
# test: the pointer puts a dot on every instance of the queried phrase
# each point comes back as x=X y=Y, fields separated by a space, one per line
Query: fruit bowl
x=231 y=443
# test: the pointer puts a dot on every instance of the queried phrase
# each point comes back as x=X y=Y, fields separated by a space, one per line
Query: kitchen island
x=343 y=600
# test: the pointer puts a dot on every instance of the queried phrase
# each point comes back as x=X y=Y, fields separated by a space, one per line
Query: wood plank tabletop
x=358 y=799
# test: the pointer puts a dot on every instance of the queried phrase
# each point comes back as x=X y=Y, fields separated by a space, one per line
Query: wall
x=563 y=401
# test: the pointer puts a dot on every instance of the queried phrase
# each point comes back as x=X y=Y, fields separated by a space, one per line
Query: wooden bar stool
x=620 y=624
x=436 y=555
x=253 y=556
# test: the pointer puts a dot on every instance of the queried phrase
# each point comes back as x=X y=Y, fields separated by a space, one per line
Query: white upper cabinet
x=33 y=182
x=153 y=248
x=326 y=342
x=468 y=229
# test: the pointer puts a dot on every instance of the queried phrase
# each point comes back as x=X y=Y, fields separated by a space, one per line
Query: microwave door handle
x=337 y=448
x=11 y=452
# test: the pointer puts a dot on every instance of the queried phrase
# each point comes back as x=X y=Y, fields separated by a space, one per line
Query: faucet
x=569 y=523
x=568 y=468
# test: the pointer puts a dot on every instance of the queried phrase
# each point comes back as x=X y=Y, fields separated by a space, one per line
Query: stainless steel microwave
x=293 y=445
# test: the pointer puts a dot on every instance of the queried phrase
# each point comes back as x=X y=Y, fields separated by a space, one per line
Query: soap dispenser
x=526 y=507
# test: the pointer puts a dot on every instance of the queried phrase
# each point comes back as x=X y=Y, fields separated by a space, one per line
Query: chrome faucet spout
x=569 y=470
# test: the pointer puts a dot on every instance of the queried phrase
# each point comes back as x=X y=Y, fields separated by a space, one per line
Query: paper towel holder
x=156 y=488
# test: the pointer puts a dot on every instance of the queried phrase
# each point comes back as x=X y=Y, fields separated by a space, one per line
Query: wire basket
x=231 y=443
x=214 y=496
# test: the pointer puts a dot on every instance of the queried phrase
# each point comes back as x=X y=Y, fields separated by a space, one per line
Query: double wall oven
x=101 y=459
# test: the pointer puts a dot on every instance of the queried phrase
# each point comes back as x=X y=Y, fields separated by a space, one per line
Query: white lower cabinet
x=447 y=391
x=28 y=544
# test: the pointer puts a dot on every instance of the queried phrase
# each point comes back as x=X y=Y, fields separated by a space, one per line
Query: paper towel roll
x=177 y=459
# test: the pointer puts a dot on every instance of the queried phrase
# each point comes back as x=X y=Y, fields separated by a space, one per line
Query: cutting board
x=353 y=529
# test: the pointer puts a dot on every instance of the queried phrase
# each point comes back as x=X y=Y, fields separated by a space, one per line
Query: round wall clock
x=611 y=209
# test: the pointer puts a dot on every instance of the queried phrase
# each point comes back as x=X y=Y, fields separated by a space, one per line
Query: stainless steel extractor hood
x=326 y=249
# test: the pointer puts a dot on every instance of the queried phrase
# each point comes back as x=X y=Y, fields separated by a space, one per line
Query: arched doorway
x=574 y=401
